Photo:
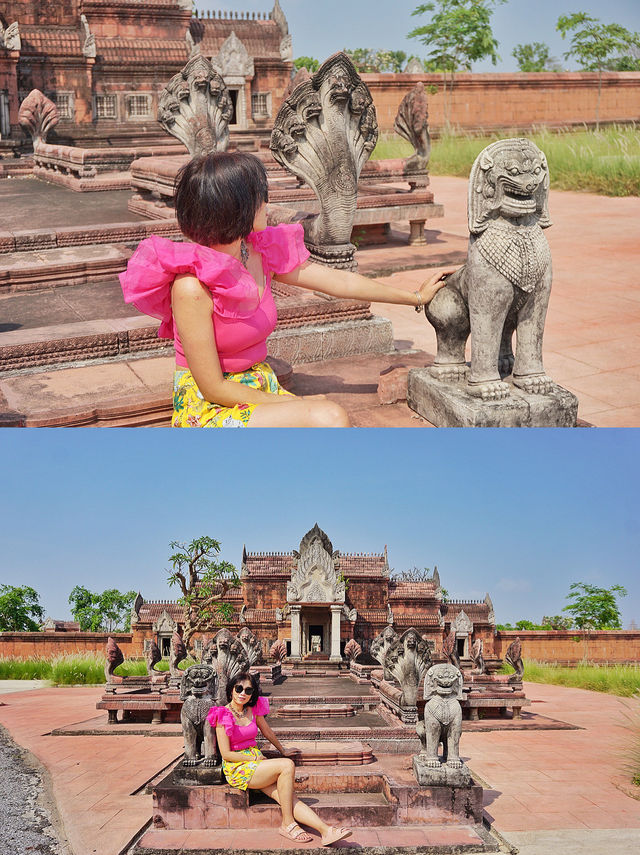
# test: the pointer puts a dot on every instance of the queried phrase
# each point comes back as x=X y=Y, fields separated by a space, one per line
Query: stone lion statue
x=198 y=691
x=442 y=716
x=505 y=284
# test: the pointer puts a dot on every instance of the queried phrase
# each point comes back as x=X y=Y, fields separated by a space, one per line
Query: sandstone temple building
x=104 y=62
x=316 y=598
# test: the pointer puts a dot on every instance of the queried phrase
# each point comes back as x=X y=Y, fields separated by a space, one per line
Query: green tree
x=369 y=61
x=557 y=622
x=593 y=607
x=19 y=607
x=307 y=62
x=532 y=57
x=109 y=611
x=204 y=581
x=458 y=34
x=594 y=44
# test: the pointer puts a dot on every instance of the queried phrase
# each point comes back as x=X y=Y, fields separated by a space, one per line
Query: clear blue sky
x=321 y=27
x=519 y=513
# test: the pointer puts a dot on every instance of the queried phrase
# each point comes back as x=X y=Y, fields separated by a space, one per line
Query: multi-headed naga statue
x=195 y=107
x=406 y=661
x=505 y=284
x=228 y=658
x=324 y=133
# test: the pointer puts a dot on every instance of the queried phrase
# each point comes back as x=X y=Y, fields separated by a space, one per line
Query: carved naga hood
x=315 y=575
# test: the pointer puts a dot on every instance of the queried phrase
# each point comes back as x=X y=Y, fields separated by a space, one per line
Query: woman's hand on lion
x=431 y=286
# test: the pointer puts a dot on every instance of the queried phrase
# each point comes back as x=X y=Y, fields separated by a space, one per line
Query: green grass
x=623 y=680
x=605 y=162
x=73 y=669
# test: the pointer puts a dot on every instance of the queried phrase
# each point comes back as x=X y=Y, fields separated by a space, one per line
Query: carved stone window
x=261 y=105
x=105 y=107
x=64 y=101
x=138 y=106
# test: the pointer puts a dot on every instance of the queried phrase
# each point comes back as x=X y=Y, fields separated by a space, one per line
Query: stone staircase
x=381 y=802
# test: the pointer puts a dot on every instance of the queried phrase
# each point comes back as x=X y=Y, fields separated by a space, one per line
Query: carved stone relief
x=234 y=62
x=89 y=46
x=324 y=133
x=115 y=657
x=412 y=123
x=10 y=37
x=381 y=644
x=251 y=645
x=352 y=650
x=228 y=658
x=177 y=653
x=196 y=108
x=38 y=115
x=514 y=657
x=407 y=660
x=278 y=651
x=315 y=577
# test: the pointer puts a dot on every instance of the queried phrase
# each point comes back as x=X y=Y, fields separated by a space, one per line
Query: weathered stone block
x=392 y=386
x=442 y=776
x=450 y=405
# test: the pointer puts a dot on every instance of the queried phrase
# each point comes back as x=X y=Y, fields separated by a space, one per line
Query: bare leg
x=301 y=811
x=300 y=412
x=278 y=772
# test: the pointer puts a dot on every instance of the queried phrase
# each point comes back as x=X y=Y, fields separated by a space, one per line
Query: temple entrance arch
x=316 y=595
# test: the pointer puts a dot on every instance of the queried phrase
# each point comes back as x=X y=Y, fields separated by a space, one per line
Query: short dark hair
x=217 y=196
x=252 y=678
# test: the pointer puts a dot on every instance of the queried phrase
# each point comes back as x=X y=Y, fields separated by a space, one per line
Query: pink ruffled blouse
x=242 y=319
x=239 y=736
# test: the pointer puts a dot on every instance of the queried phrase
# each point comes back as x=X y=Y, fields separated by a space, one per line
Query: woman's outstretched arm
x=343 y=283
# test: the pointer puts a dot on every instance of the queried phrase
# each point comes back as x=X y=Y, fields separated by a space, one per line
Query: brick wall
x=570 y=647
x=486 y=101
x=45 y=645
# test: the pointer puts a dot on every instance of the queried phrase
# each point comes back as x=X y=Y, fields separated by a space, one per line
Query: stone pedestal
x=447 y=404
x=441 y=776
x=198 y=775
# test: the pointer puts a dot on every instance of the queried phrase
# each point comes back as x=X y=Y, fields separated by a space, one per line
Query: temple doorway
x=316 y=639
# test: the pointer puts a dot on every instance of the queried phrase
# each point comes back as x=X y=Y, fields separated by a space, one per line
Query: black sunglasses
x=240 y=689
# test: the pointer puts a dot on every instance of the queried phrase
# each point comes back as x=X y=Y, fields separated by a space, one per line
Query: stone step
x=315 y=710
x=443 y=839
x=81 y=341
x=30 y=270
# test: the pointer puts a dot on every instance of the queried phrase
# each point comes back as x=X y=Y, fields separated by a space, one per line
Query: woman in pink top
x=244 y=766
x=213 y=297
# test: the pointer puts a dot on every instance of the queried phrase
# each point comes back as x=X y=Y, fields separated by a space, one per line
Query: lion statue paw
x=449 y=373
x=490 y=390
x=535 y=384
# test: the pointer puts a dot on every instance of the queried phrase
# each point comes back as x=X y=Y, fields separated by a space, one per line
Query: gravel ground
x=28 y=817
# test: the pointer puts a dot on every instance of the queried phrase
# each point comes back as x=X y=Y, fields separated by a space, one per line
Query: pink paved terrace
x=540 y=781
x=592 y=337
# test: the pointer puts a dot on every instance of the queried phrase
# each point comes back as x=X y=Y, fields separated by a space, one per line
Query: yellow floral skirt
x=239 y=774
x=191 y=410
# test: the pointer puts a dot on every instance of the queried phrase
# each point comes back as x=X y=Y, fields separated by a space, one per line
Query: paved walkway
x=546 y=792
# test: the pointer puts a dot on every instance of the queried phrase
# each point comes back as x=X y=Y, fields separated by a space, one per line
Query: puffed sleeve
x=261 y=707
x=220 y=715
x=157 y=261
x=281 y=246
